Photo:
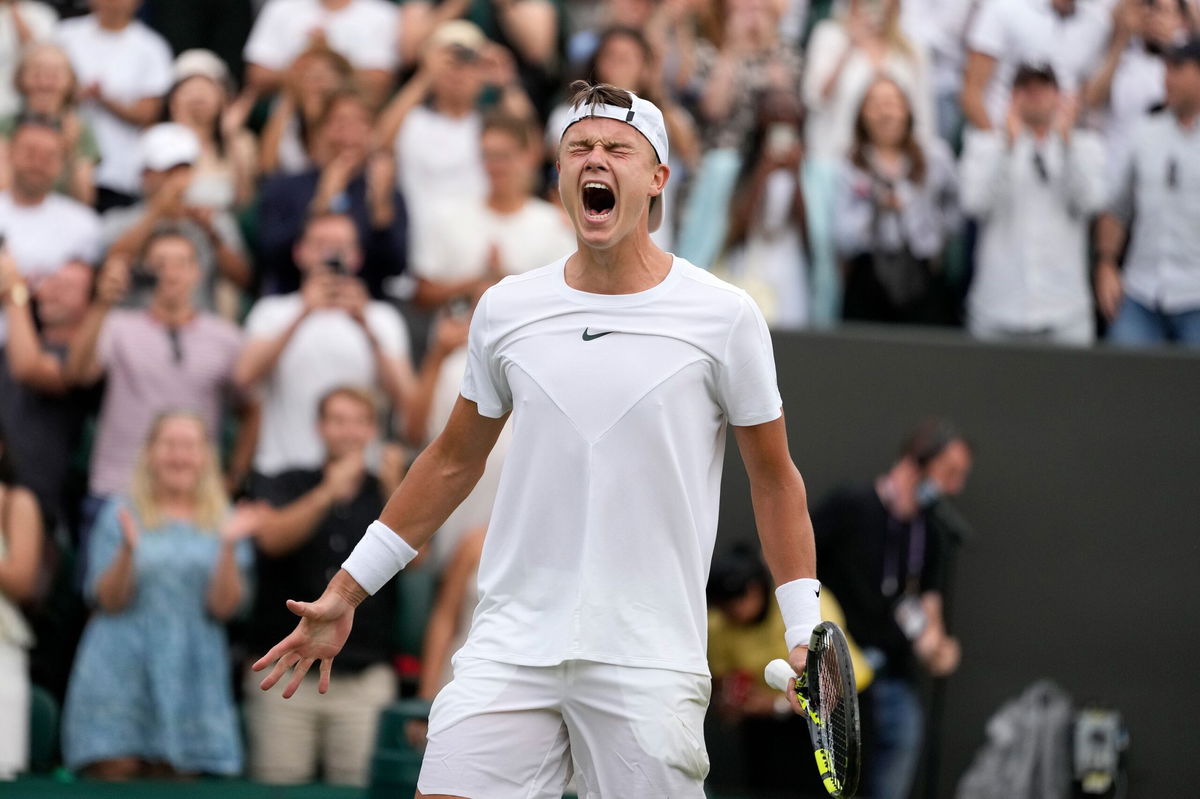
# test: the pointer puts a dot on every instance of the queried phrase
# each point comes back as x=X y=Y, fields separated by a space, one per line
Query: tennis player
x=621 y=366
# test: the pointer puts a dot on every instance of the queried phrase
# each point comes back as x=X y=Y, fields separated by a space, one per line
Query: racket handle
x=777 y=674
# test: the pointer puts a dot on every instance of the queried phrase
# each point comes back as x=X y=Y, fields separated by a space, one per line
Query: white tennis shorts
x=502 y=731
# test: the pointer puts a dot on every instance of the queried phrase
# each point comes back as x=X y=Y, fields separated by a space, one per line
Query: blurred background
x=242 y=241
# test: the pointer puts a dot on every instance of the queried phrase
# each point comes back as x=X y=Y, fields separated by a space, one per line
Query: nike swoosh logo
x=593 y=336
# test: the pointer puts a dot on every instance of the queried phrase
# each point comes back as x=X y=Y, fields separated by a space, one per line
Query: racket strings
x=834 y=712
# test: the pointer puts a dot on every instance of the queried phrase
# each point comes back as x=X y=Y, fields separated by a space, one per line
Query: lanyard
x=891 y=556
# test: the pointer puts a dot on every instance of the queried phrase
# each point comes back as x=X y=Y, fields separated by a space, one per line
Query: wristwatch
x=18 y=294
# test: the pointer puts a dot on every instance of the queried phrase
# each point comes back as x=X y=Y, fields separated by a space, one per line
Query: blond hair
x=211 y=501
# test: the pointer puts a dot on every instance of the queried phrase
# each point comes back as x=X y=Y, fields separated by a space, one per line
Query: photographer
x=304 y=344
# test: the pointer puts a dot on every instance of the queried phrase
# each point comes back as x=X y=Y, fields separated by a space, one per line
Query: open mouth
x=598 y=201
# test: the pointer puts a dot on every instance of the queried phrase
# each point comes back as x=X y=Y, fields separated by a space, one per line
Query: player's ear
x=659 y=182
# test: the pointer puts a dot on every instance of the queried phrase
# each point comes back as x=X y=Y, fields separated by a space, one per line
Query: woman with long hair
x=46 y=83
x=897 y=205
x=313 y=78
x=20 y=555
x=167 y=566
x=203 y=101
x=846 y=54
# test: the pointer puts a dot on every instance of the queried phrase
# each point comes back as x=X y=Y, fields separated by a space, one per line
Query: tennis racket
x=827 y=694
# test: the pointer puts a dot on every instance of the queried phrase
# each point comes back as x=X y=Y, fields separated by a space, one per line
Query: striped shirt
x=150 y=371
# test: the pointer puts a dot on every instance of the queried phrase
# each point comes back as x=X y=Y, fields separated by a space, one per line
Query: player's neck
x=635 y=264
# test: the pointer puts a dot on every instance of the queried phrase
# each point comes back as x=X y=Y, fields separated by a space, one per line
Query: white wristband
x=378 y=557
x=800 y=604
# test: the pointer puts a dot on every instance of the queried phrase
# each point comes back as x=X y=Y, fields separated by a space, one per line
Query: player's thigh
x=282 y=734
x=352 y=709
x=495 y=732
x=637 y=732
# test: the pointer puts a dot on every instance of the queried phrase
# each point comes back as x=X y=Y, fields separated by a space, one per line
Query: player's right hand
x=322 y=632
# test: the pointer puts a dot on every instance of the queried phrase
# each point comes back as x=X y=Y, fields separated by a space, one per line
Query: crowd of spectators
x=242 y=241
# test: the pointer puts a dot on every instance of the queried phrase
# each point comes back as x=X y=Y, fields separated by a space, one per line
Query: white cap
x=203 y=63
x=167 y=145
x=646 y=119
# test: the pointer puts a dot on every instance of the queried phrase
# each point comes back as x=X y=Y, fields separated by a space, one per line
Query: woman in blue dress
x=150 y=690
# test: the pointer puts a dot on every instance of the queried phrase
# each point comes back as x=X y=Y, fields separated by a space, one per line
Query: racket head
x=833 y=718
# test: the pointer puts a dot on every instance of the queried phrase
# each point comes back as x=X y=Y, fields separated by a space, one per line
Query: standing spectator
x=1157 y=299
x=1034 y=189
x=1129 y=84
x=896 y=207
x=348 y=179
x=884 y=551
x=23 y=23
x=217 y=25
x=1070 y=35
x=312 y=79
x=20 y=555
x=169 y=153
x=43 y=230
x=939 y=29
x=317 y=516
x=149 y=693
x=469 y=246
x=846 y=55
x=434 y=122
x=41 y=414
x=167 y=356
x=124 y=69
x=365 y=32
x=767 y=250
x=46 y=83
x=327 y=334
x=746 y=59
x=224 y=176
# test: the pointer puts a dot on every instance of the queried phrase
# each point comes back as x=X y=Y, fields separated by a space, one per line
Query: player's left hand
x=322 y=632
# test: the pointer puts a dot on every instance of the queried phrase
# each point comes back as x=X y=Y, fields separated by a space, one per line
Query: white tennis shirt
x=602 y=533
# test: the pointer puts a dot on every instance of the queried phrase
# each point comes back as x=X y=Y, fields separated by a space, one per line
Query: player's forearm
x=784 y=528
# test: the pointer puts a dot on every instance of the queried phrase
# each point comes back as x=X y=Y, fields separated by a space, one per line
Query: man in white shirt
x=124 y=70
x=623 y=366
x=43 y=230
x=365 y=32
x=304 y=344
x=1070 y=35
x=468 y=246
x=1154 y=296
x=1034 y=189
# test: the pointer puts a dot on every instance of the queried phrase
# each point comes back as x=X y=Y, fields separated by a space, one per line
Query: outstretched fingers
x=326 y=666
x=297 y=677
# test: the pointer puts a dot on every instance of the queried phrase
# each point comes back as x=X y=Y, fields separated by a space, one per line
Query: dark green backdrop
x=1085 y=503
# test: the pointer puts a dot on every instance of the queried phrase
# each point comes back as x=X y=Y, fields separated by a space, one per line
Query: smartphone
x=337 y=265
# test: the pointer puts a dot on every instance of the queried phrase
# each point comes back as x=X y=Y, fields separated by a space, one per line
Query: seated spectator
x=223 y=177
x=23 y=23
x=149 y=693
x=766 y=252
x=1034 y=189
x=312 y=79
x=846 y=55
x=623 y=57
x=348 y=179
x=316 y=517
x=365 y=32
x=41 y=414
x=166 y=356
x=43 y=230
x=1155 y=298
x=124 y=69
x=747 y=59
x=1069 y=35
x=897 y=205
x=433 y=123
x=170 y=153
x=329 y=333
x=1129 y=84
x=20 y=555
x=468 y=246
x=46 y=84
